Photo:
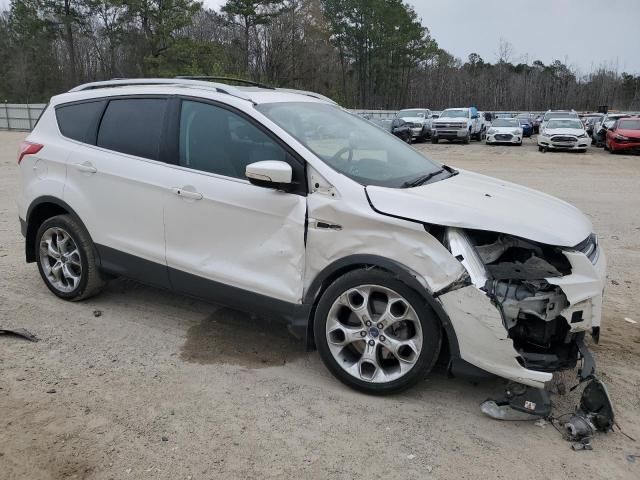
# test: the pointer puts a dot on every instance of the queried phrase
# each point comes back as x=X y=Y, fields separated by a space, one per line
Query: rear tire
x=66 y=259
x=375 y=334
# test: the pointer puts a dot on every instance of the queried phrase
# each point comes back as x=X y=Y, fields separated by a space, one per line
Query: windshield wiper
x=451 y=170
x=421 y=179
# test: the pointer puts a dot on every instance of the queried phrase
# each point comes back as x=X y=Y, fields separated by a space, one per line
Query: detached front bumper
x=484 y=339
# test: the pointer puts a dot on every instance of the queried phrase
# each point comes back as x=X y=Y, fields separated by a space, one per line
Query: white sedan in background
x=563 y=134
x=504 y=130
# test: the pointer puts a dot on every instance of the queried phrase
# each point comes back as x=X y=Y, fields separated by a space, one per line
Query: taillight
x=28 y=148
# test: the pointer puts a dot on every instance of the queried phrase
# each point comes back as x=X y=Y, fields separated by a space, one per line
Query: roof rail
x=319 y=96
x=125 y=82
x=225 y=79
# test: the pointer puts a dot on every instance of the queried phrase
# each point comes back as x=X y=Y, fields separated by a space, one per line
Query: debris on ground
x=627 y=319
x=541 y=423
x=97 y=313
x=520 y=402
x=19 y=332
x=51 y=390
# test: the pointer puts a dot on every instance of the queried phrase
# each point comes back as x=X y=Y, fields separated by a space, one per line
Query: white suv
x=283 y=203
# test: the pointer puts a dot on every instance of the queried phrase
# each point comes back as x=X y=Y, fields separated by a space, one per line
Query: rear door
x=117 y=184
x=224 y=235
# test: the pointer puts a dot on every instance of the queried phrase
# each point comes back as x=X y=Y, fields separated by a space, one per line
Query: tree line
x=362 y=53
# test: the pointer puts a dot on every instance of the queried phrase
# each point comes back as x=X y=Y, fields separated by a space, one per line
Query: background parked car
x=401 y=129
x=624 y=135
x=563 y=134
x=419 y=119
x=591 y=122
x=599 y=134
x=504 y=130
x=527 y=126
x=457 y=124
x=550 y=114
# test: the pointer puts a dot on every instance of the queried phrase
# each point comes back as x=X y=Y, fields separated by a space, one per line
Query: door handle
x=191 y=195
x=86 y=167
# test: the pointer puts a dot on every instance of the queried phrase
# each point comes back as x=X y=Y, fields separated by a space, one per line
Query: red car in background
x=624 y=135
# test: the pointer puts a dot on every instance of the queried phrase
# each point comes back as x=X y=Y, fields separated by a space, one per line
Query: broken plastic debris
x=411 y=456
x=541 y=423
x=20 y=332
x=504 y=411
x=627 y=319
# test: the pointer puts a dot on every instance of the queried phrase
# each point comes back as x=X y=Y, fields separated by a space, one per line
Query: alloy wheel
x=374 y=333
x=60 y=259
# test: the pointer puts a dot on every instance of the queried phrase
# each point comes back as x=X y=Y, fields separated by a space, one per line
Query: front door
x=223 y=234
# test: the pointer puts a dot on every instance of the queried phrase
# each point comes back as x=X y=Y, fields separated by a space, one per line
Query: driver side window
x=216 y=140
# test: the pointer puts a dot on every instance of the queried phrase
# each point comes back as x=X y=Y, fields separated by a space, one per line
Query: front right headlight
x=491 y=131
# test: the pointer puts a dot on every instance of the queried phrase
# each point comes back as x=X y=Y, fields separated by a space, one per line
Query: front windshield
x=565 y=123
x=412 y=113
x=350 y=145
x=630 y=124
x=505 y=122
x=453 y=113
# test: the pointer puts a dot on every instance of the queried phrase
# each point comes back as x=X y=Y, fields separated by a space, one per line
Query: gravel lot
x=162 y=386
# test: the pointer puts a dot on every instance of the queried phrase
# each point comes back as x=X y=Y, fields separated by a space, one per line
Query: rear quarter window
x=133 y=126
x=79 y=121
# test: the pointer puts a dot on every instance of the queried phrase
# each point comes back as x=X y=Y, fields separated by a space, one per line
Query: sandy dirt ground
x=162 y=386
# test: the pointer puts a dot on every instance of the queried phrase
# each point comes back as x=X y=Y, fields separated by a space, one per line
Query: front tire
x=375 y=334
x=434 y=140
x=467 y=139
x=66 y=259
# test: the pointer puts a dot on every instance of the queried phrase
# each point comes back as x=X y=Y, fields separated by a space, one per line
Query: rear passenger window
x=80 y=120
x=133 y=126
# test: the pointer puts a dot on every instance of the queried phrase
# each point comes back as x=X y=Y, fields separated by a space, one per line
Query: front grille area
x=503 y=137
x=563 y=139
x=450 y=125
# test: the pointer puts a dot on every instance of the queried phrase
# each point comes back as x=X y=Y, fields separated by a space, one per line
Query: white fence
x=19 y=116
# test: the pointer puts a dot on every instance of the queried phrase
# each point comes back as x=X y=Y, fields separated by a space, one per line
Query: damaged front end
x=518 y=277
x=543 y=300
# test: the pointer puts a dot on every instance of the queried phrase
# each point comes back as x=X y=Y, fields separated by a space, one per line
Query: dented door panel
x=237 y=234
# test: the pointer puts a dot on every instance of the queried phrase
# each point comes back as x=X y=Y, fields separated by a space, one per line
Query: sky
x=585 y=33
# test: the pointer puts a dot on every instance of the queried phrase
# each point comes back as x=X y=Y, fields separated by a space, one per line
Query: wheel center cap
x=374 y=332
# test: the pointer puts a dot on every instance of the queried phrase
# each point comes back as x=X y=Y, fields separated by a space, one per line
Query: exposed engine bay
x=513 y=272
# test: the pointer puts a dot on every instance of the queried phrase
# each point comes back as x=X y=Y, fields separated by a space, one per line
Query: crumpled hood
x=471 y=200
